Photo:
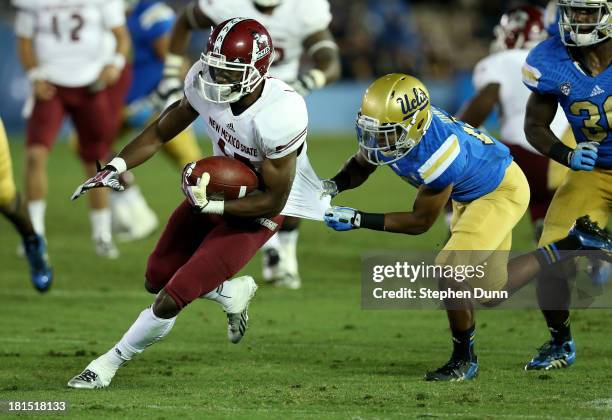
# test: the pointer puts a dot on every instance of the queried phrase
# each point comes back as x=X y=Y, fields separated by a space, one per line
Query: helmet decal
x=223 y=33
x=418 y=102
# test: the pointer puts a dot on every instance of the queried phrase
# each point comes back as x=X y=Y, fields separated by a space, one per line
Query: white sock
x=37 y=208
x=288 y=237
x=101 y=224
x=273 y=243
x=146 y=330
x=130 y=195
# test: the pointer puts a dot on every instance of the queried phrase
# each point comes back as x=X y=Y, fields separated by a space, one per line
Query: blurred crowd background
x=438 y=41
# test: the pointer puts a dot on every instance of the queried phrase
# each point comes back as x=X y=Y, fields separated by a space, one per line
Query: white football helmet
x=267 y=3
x=584 y=22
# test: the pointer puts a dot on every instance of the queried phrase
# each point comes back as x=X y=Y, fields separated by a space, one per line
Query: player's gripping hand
x=169 y=90
x=309 y=81
x=342 y=218
x=583 y=157
x=105 y=177
x=329 y=187
x=197 y=195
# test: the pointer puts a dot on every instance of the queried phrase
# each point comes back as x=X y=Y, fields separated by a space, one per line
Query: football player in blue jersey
x=572 y=69
x=446 y=158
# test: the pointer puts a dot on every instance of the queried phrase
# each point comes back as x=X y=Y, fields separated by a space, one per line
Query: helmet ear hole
x=420 y=124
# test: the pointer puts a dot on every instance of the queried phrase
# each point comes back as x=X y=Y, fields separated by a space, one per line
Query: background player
x=59 y=45
x=498 y=82
x=207 y=242
x=13 y=207
x=297 y=27
x=572 y=70
x=446 y=158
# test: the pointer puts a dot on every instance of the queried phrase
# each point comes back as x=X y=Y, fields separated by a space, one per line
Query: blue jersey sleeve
x=157 y=21
x=538 y=74
x=444 y=166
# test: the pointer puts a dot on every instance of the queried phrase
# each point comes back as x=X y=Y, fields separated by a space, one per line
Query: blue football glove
x=342 y=218
x=583 y=157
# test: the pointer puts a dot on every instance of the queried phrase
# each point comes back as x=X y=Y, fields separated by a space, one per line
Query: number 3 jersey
x=454 y=153
x=274 y=126
x=69 y=36
x=586 y=100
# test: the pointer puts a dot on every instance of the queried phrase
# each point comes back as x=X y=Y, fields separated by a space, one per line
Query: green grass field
x=311 y=353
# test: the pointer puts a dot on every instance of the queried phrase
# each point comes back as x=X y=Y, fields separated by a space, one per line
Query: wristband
x=35 y=73
x=214 y=207
x=119 y=164
x=118 y=61
x=373 y=221
x=560 y=153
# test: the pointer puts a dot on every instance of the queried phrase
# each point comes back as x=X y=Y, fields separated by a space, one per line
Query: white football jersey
x=272 y=127
x=505 y=68
x=289 y=25
x=69 y=36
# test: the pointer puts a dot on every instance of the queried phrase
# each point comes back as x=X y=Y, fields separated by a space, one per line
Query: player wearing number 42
x=446 y=158
x=207 y=240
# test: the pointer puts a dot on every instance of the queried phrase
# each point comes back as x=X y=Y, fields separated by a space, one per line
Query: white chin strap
x=267 y=3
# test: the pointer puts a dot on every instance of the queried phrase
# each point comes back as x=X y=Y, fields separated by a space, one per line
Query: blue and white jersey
x=585 y=99
x=150 y=20
x=454 y=153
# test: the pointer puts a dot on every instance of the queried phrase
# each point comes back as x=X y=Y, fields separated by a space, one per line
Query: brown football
x=229 y=178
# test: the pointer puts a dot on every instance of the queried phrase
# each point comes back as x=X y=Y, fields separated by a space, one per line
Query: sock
x=146 y=330
x=273 y=243
x=37 y=208
x=288 y=250
x=101 y=224
x=559 y=325
x=549 y=254
x=463 y=344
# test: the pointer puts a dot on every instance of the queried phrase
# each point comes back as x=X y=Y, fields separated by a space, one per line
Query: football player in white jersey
x=59 y=45
x=297 y=27
x=251 y=117
x=498 y=81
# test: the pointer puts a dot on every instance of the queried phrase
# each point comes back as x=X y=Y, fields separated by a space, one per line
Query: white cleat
x=133 y=219
x=94 y=376
x=106 y=249
x=289 y=281
x=237 y=307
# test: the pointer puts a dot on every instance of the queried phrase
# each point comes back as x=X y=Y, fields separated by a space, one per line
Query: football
x=229 y=178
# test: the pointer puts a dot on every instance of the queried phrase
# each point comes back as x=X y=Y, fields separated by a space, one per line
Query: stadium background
x=311 y=353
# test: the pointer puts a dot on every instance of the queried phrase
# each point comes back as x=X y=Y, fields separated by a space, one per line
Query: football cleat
x=289 y=281
x=132 y=217
x=455 y=370
x=553 y=356
x=237 y=308
x=106 y=248
x=96 y=375
x=591 y=236
x=41 y=273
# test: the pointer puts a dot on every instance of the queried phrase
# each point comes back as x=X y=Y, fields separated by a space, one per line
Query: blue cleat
x=591 y=236
x=41 y=272
x=553 y=356
x=455 y=370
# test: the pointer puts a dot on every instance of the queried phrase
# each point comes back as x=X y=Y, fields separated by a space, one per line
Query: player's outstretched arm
x=541 y=110
x=322 y=49
x=354 y=173
x=477 y=109
x=168 y=125
x=427 y=206
x=189 y=18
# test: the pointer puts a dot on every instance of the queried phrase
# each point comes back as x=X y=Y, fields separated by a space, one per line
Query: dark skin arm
x=478 y=108
x=168 y=125
x=278 y=177
x=189 y=18
x=427 y=207
x=325 y=58
x=354 y=172
x=541 y=110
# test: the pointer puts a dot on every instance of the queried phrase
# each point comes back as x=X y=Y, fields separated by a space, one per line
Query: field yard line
x=601 y=404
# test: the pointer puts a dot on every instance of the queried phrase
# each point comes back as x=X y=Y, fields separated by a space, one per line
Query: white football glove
x=196 y=194
x=105 y=177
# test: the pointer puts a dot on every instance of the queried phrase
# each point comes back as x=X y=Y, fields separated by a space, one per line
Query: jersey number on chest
x=593 y=118
x=76 y=25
